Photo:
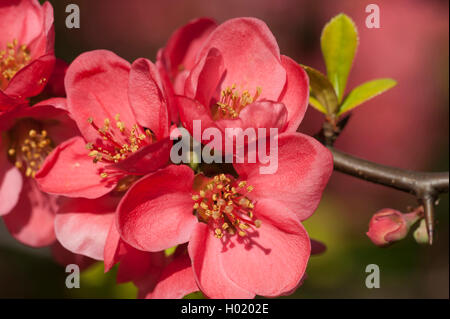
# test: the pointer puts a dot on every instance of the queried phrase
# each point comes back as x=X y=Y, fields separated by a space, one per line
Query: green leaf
x=365 y=92
x=321 y=90
x=195 y=295
x=339 y=41
x=316 y=104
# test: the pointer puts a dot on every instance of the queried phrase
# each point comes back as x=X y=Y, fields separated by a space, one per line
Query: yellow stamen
x=232 y=102
x=30 y=147
x=12 y=60
x=223 y=204
x=118 y=141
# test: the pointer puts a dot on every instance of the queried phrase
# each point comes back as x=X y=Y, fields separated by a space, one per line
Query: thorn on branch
x=428 y=203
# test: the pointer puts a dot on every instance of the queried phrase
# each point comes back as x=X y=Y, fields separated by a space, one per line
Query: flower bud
x=421 y=234
x=389 y=225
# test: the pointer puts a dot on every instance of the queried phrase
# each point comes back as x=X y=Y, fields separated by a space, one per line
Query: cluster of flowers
x=84 y=157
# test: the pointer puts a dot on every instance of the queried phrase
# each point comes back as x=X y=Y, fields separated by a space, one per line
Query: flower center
x=30 y=146
x=232 y=102
x=222 y=203
x=118 y=142
x=12 y=59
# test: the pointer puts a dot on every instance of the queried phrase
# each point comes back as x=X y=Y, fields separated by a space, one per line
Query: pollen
x=12 y=59
x=29 y=148
x=116 y=141
x=232 y=102
x=223 y=203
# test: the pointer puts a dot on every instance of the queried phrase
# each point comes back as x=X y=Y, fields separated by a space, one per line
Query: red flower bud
x=389 y=225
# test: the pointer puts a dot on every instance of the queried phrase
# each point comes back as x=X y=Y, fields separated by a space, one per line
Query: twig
x=424 y=185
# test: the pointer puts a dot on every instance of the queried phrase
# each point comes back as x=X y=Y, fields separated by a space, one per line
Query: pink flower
x=121 y=113
x=26 y=50
x=177 y=278
x=389 y=225
x=143 y=268
x=239 y=79
x=177 y=58
x=28 y=136
x=82 y=225
x=245 y=237
x=175 y=281
x=86 y=227
x=155 y=275
x=86 y=230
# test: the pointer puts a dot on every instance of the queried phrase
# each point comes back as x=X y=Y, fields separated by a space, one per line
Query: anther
x=242 y=233
x=223 y=205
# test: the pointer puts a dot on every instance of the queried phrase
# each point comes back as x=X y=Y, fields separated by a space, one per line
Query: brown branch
x=424 y=185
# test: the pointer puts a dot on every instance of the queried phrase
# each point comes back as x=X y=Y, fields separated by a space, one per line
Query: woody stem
x=426 y=186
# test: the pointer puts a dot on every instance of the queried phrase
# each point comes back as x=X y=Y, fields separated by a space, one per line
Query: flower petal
x=53 y=116
x=206 y=253
x=8 y=102
x=55 y=86
x=10 y=187
x=251 y=56
x=182 y=47
x=21 y=20
x=147 y=97
x=137 y=265
x=31 y=220
x=56 y=102
x=156 y=212
x=147 y=159
x=45 y=41
x=296 y=93
x=114 y=247
x=203 y=80
x=176 y=281
x=92 y=94
x=134 y=264
x=272 y=259
x=10 y=183
x=48 y=110
x=70 y=172
x=190 y=111
x=261 y=114
x=82 y=225
x=304 y=167
x=32 y=78
x=170 y=89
